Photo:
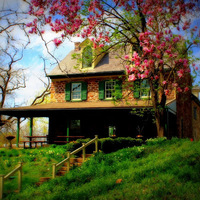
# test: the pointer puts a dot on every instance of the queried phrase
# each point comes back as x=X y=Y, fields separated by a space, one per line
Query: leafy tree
x=156 y=37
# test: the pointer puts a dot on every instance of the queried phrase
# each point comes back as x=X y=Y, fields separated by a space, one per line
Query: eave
x=88 y=74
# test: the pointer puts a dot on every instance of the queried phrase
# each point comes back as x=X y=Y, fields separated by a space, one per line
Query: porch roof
x=44 y=110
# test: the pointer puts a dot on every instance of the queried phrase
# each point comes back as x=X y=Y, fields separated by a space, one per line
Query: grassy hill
x=161 y=169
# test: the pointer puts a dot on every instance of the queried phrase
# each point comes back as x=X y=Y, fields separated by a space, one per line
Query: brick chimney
x=76 y=46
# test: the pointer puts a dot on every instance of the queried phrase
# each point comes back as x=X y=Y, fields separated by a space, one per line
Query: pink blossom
x=101 y=45
x=164 y=82
x=132 y=77
x=29 y=24
x=57 y=42
x=127 y=66
x=126 y=57
x=179 y=89
x=174 y=84
x=161 y=62
x=39 y=12
x=133 y=69
x=180 y=73
x=186 y=89
x=143 y=76
x=166 y=92
x=156 y=77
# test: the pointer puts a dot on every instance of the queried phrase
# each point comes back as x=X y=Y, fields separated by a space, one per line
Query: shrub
x=109 y=145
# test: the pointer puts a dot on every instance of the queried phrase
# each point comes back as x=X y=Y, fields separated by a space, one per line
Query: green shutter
x=68 y=92
x=101 y=90
x=84 y=91
x=118 y=89
x=136 y=91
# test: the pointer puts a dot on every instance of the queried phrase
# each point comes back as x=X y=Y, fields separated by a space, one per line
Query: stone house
x=92 y=97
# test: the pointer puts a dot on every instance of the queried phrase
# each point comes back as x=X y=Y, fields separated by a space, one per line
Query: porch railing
x=82 y=148
x=4 y=177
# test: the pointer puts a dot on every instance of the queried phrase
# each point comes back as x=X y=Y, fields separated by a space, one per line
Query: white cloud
x=34 y=85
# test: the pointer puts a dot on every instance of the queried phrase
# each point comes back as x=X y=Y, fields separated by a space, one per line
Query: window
x=87 y=57
x=76 y=91
x=141 y=89
x=110 y=89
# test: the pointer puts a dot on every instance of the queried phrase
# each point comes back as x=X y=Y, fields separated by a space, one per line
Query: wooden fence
x=82 y=148
x=4 y=177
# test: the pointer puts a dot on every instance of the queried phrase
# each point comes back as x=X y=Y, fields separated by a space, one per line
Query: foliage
x=162 y=169
x=153 y=37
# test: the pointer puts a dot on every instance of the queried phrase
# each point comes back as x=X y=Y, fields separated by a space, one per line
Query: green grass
x=161 y=169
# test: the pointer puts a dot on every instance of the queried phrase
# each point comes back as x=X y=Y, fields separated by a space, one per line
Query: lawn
x=159 y=169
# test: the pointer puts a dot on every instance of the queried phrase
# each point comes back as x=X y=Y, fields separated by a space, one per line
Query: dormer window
x=87 y=57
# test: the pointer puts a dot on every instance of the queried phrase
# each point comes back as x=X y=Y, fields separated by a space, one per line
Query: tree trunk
x=160 y=121
x=159 y=108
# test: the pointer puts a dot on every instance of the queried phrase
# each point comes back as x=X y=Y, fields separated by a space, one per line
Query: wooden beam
x=68 y=130
x=18 y=131
x=31 y=130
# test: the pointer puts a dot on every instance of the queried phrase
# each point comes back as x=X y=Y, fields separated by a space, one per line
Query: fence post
x=96 y=143
x=20 y=177
x=83 y=145
x=54 y=170
x=1 y=186
x=68 y=162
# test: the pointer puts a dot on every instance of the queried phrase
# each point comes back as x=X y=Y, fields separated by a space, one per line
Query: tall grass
x=161 y=169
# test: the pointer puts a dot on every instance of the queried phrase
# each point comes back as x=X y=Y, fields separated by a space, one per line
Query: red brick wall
x=184 y=110
x=196 y=121
x=93 y=90
x=58 y=89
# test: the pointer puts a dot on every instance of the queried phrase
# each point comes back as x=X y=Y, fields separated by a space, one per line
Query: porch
x=84 y=119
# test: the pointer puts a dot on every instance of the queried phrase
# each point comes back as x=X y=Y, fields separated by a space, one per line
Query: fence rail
x=82 y=148
x=5 y=177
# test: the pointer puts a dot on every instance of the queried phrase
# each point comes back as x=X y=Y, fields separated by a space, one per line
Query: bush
x=109 y=145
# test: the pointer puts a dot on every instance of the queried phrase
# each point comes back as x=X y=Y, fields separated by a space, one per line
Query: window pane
x=144 y=88
x=109 y=89
x=76 y=91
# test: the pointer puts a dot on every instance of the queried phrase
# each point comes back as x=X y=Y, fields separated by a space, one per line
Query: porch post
x=18 y=130
x=67 y=130
x=31 y=130
x=31 y=127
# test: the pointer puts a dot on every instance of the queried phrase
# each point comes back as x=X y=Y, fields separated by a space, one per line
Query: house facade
x=107 y=97
x=91 y=96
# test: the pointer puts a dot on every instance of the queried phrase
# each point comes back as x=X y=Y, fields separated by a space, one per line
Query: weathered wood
x=1 y=186
x=34 y=142
x=82 y=148
x=3 y=178
x=68 y=161
x=83 y=145
x=54 y=170
x=20 y=177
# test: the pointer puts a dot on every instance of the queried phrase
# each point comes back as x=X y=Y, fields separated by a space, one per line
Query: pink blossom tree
x=159 y=36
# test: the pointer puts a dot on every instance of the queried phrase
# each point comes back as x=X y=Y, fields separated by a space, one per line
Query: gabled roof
x=110 y=63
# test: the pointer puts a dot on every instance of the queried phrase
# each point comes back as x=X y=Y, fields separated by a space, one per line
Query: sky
x=32 y=60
